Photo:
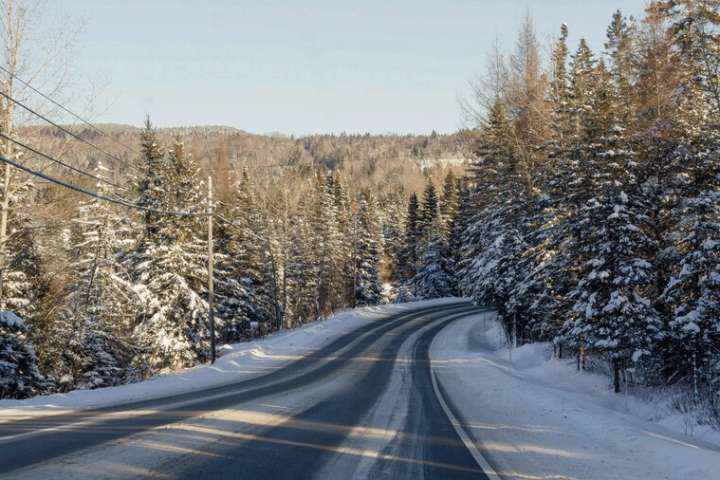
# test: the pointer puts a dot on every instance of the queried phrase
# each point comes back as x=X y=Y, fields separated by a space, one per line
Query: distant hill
x=367 y=160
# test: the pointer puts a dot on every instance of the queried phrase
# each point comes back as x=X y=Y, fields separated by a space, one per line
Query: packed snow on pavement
x=536 y=417
x=239 y=361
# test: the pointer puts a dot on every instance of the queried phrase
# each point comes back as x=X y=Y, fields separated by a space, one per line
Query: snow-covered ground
x=237 y=362
x=538 y=418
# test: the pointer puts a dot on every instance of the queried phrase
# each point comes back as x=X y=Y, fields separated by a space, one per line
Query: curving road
x=364 y=406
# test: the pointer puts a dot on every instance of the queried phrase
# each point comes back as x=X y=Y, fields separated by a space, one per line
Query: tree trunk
x=616 y=374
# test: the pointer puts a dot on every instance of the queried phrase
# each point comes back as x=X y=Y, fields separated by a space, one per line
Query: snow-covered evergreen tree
x=615 y=313
x=23 y=281
x=328 y=246
x=301 y=275
x=344 y=254
x=366 y=256
x=19 y=373
x=170 y=264
x=255 y=296
x=433 y=280
x=694 y=290
x=449 y=203
x=93 y=329
x=392 y=236
x=408 y=253
x=429 y=222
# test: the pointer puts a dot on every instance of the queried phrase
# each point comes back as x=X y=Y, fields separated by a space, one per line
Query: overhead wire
x=115 y=200
x=60 y=162
x=49 y=178
x=59 y=127
x=67 y=110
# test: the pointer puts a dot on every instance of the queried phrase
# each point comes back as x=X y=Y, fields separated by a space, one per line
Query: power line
x=234 y=224
x=115 y=200
x=63 y=129
x=67 y=110
x=60 y=162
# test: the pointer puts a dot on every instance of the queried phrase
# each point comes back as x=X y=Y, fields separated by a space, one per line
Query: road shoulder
x=527 y=427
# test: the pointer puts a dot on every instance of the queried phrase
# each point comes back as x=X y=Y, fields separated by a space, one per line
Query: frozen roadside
x=239 y=361
x=537 y=418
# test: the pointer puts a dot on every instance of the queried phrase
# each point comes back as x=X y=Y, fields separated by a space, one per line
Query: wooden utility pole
x=211 y=292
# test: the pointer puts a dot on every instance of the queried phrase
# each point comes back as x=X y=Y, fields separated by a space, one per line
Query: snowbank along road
x=366 y=405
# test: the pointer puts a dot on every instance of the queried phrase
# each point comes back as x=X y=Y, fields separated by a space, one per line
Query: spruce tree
x=582 y=90
x=19 y=373
x=301 y=274
x=344 y=254
x=408 y=254
x=100 y=306
x=250 y=257
x=327 y=246
x=693 y=291
x=24 y=282
x=495 y=169
x=429 y=213
x=153 y=188
x=614 y=308
x=366 y=256
x=449 y=203
x=559 y=90
x=619 y=47
x=392 y=236
x=433 y=280
x=170 y=267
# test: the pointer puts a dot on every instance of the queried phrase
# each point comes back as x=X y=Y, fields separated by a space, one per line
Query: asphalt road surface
x=364 y=406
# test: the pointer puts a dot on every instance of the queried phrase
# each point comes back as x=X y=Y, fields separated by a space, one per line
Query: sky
x=310 y=66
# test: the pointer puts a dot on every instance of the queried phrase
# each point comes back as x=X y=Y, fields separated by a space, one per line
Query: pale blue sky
x=306 y=66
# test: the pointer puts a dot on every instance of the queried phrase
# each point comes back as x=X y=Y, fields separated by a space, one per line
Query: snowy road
x=365 y=405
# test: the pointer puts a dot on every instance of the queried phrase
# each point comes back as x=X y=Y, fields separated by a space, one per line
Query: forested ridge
x=583 y=205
